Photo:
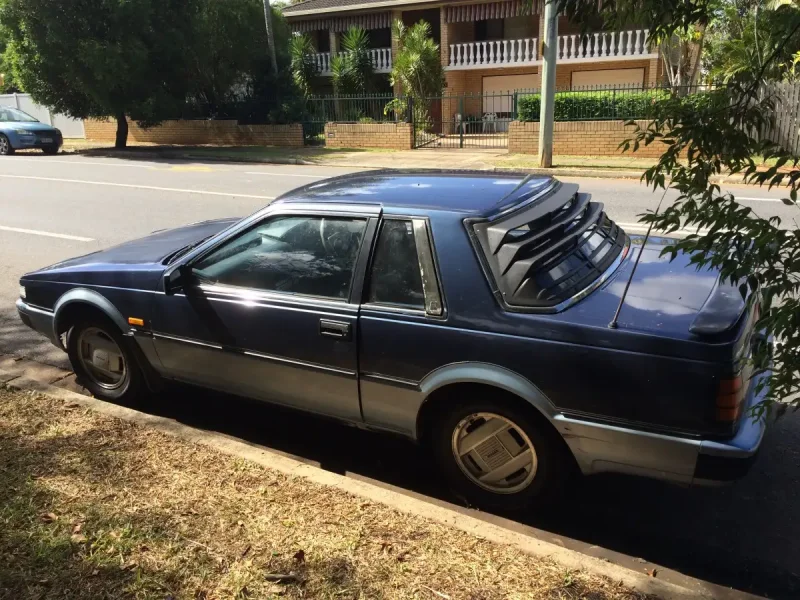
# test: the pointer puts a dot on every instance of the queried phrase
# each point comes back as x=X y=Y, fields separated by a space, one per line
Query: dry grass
x=93 y=507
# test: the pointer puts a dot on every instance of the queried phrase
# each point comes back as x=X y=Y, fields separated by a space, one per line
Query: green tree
x=743 y=34
x=99 y=58
x=714 y=132
x=304 y=65
x=352 y=69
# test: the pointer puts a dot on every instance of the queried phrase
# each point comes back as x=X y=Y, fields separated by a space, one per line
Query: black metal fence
x=481 y=120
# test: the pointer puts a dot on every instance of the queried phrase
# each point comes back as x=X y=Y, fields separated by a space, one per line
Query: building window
x=323 y=40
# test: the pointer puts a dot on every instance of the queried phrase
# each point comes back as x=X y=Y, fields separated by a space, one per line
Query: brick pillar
x=653 y=78
x=445 y=33
x=397 y=15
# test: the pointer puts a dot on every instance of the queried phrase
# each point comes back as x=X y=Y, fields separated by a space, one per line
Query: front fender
x=87 y=297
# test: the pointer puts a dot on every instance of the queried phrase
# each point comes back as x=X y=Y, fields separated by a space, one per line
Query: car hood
x=147 y=253
x=30 y=126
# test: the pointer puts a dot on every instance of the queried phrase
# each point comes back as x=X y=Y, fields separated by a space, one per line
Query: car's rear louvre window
x=551 y=250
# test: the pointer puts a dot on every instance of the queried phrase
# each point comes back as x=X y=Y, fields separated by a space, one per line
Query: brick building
x=486 y=47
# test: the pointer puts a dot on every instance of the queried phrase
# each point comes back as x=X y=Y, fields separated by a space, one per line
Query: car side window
x=309 y=255
x=396 y=279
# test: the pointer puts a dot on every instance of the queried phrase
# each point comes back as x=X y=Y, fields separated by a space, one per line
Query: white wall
x=70 y=128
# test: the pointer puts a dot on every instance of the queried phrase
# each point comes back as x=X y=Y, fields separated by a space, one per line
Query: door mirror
x=175 y=280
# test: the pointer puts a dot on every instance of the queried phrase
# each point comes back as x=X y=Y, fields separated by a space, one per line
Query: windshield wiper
x=185 y=250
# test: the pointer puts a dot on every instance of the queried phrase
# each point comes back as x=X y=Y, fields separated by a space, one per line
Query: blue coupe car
x=468 y=311
x=21 y=131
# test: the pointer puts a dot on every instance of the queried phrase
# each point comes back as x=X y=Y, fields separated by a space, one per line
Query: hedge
x=592 y=106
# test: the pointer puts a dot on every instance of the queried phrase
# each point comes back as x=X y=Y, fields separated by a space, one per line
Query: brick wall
x=200 y=132
x=579 y=138
x=395 y=136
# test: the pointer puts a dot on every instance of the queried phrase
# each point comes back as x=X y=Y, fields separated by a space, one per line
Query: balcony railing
x=381 y=60
x=606 y=45
x=493 y=54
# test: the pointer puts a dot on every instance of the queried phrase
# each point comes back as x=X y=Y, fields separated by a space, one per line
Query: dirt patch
x=94 y=507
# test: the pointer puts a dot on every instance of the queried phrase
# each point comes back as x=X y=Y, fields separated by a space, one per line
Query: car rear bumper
x=602 y=448
x=38 y=319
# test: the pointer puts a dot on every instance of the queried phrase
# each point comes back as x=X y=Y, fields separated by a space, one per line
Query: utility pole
x=270 y=36
x=548 y=91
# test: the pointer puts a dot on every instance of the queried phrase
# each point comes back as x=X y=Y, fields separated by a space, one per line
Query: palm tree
x=352 y=68
x=417 y=69
x=304 y=66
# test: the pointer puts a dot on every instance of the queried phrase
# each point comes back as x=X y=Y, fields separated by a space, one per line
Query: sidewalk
x=623 y=166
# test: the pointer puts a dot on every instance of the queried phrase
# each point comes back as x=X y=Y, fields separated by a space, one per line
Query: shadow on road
x=729 y=536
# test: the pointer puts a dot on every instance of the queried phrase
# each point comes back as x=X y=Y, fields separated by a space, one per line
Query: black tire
x=131 y=384
x=50 y=149
x=555 y=465
x=6 y=149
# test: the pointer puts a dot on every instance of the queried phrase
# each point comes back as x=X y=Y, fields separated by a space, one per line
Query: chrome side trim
x=300 y=363
x=391 y=380
x=175 y=338
x=430 y=285
x=394 y=309
x=254 y=295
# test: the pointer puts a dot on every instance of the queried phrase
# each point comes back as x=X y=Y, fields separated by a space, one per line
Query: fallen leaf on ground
x=49 y=517
x=78 y=538
x=300 y=556
x=652 y=572
x=77 y=528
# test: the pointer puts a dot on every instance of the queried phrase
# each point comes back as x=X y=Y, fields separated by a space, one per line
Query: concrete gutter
x=21 y=375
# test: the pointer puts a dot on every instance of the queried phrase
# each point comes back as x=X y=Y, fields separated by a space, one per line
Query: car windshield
x=14 y=115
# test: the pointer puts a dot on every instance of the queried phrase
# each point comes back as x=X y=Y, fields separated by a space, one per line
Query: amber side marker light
x=729 y=399
x=136 y=322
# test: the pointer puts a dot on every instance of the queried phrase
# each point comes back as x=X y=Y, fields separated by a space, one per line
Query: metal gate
x=463 y=120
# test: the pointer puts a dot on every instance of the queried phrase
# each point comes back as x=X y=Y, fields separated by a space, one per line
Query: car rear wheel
x=5 y=146
x=499 y=455
x=50 y=149
x=102 y=361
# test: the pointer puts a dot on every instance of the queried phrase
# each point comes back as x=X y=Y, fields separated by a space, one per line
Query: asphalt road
x=52 y=208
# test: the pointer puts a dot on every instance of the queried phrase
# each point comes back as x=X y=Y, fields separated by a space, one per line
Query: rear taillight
x=730 y=397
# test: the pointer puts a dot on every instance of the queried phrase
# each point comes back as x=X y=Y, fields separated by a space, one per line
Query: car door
x=399 y=322
x=271 y=311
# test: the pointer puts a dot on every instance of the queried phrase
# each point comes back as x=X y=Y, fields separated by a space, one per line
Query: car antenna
x=527 y=178
x=613 y=323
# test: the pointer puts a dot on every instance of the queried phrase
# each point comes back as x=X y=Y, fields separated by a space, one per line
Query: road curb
x=570 y=559
x=556 y=171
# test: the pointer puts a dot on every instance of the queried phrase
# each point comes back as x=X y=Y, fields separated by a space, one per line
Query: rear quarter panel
x=575 y=365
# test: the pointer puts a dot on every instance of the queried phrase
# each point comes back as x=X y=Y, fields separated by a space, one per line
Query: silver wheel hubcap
x=3 y=145
x=494 y=453
x=101 y=358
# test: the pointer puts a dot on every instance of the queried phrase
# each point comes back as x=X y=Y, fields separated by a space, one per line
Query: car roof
x=476 y=193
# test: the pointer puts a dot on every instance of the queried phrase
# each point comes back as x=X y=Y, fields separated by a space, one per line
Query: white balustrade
x=381 y=60
x=603 y=45
x=493 y=53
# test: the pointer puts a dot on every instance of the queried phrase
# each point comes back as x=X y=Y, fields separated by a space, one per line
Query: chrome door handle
x=334 y=329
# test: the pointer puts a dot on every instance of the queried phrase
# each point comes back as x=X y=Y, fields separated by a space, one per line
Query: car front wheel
x=50 y=149
x=5 y=146
x=102 y=361
x=499 y=455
